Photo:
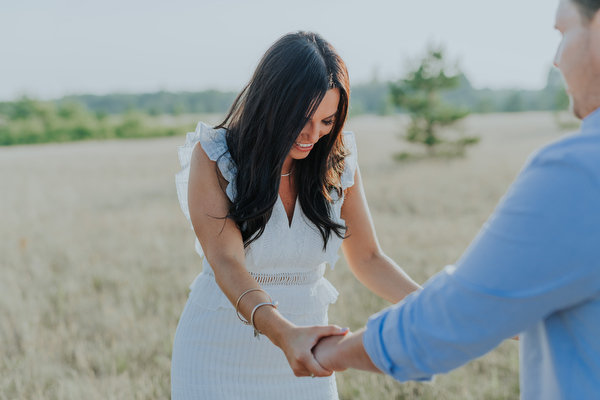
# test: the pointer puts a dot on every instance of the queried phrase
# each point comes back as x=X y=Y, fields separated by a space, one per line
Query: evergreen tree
x=419 y=95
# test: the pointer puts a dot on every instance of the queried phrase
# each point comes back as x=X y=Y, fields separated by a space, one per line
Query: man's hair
x=588 y=8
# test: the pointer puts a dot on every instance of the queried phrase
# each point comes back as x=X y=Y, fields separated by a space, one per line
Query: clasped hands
x=315 y=350
x=322 y=350
x=328 y=352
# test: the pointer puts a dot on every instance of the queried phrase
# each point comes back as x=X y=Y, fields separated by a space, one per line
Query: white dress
x=215 y=356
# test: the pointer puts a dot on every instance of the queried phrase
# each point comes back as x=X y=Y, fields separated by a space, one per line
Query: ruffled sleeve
x=347 y=180
x=214 y=144
x=351 y=160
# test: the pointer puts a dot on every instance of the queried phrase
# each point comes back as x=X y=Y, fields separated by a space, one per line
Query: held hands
x=326 y=352
x=337 y=353
x=297 y=343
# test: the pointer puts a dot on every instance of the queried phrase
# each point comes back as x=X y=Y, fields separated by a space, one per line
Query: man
x=533 y=269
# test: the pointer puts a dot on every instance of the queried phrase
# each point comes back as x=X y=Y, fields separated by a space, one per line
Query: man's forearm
x=353 y=353
x=338 y=353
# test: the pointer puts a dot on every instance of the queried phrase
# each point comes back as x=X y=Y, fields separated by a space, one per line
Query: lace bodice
x=282 y=247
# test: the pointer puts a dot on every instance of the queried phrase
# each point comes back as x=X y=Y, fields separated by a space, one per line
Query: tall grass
x=96 y=257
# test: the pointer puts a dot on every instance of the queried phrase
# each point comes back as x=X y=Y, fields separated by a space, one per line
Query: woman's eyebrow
x=331 y=116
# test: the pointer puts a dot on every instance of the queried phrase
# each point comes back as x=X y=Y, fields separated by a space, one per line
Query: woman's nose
x=312 y=132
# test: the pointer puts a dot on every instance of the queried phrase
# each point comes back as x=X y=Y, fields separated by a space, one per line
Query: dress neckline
x=289 y=222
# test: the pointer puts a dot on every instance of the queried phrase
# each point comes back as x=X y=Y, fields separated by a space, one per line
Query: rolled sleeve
x=375 y=346
x=438 y=328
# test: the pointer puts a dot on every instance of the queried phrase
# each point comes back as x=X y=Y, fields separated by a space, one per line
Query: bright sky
x=51 y=48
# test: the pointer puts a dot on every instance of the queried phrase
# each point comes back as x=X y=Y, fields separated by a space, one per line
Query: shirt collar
x=591 y=122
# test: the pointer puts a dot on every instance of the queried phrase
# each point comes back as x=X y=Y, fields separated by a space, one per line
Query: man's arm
x=536 y=255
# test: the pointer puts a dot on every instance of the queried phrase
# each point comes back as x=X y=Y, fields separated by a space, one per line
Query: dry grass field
x=96 y=257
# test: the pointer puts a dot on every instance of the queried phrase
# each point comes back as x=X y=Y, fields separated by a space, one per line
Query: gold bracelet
x=256 y=331
x=237 y=303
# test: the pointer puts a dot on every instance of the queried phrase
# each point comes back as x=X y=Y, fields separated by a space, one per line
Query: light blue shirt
x=532 y=270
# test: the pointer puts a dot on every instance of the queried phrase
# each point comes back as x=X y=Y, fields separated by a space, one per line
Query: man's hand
x=337 y=353
x=297 y=343
x=326 y=353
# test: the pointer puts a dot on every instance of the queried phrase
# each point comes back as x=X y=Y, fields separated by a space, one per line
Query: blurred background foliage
x=28 y=121
x=81 y=117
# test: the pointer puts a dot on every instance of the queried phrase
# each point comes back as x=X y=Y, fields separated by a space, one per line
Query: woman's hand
x=297 y=343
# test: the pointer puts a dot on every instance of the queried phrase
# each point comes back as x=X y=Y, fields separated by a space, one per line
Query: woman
x=272 y=193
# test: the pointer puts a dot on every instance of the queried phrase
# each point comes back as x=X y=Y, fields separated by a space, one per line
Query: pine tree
x=419 y=95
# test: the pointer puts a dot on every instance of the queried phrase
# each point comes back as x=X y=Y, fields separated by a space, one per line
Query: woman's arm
x=223 y=247
x=365 y=258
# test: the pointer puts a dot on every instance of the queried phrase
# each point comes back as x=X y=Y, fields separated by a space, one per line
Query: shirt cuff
x=373 y=345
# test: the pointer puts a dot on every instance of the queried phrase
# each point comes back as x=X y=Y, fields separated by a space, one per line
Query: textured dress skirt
x=215 y=356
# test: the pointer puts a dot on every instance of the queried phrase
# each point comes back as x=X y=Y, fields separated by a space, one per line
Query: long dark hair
x=265 y=120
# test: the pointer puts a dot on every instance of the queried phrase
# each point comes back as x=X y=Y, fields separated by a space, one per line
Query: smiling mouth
x=304 y=147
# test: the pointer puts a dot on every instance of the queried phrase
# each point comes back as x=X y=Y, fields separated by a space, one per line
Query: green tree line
x=375 y=97
x=367 y=98
x=138 y=115
x=29 y=121
x=206 y=102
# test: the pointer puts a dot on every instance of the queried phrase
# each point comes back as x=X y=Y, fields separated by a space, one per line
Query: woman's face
x=318 y=126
